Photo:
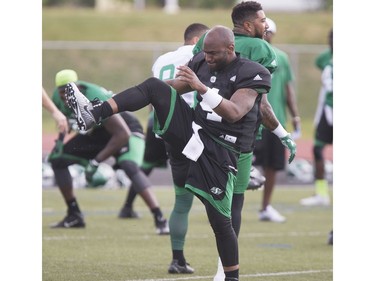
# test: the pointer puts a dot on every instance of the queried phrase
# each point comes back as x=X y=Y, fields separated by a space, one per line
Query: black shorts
x=155 y=152
x=269 y=151
x=81 y=148
x=179 y=165
x=324 y=131
x=212 y=176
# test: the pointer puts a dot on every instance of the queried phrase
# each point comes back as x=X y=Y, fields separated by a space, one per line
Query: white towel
x=194 y=148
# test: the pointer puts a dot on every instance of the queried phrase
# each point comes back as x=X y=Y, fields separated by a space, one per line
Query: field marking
x=287 y=273
x=147 y=236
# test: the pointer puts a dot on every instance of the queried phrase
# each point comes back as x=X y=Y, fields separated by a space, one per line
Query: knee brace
x=139 y=180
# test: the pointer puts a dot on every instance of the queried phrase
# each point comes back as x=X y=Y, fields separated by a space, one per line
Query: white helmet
x=271 y=25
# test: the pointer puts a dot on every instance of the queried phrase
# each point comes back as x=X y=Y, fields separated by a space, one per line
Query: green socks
x=321 y=188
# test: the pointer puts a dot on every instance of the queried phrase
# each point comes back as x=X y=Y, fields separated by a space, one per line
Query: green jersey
x=251 y=48
x=280 y=78
x=323 y=59
x=327 y=84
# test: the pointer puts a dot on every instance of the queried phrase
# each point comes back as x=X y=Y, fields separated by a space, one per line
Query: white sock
x=220 y=275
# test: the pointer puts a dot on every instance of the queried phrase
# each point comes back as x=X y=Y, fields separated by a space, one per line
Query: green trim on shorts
x=222 y=206
x=319 y=143
x=180 y=190
x=244 y=164
x=160 y=131
x=79 y=160
x=135 y=152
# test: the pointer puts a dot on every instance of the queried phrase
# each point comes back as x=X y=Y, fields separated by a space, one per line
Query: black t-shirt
x=239 y=74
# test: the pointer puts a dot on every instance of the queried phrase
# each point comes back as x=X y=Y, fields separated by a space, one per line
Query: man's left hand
x=90 y=170
x=289 y=143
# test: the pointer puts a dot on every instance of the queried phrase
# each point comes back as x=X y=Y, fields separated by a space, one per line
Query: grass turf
x=116 y=249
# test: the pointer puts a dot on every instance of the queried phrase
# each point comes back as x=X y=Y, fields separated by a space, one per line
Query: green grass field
x=111 y=249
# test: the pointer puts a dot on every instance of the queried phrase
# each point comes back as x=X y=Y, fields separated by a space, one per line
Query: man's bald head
x=220 y=35
x=218 y=47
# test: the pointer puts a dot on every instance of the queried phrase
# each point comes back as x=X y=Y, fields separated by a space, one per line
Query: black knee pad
x=140 y=181
x=129 y=167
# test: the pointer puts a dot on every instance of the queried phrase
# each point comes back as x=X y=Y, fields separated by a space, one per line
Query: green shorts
x=133 y=151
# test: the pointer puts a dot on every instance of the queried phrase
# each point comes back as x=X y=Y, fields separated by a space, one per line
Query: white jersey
x=165 y=66
x=327 y=87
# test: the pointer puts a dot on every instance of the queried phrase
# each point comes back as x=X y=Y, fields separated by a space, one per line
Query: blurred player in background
x=269 y=153
x=57 y=115
x=120 y=136
x=323 y=122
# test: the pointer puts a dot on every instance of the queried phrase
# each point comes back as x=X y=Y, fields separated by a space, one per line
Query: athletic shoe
x=270 y=214
x=220 y=275
x=73 y=220
x=81 y=106
x=162 y=227
x=128 y=213
x=330 y=238
x=256 y=179
x=176 y=268
x=316 y=200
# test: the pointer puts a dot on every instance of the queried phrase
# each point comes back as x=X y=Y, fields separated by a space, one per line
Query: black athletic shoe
x=176 y=268
x=162 y=227
x=74 y=220
x=81 y=106
x=128 y=213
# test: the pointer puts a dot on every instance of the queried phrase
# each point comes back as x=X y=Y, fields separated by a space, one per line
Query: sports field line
x=287 y=273
x=191 y=236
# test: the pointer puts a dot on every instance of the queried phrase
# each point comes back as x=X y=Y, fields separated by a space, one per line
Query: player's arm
x=270 y=121
x=240 y=103
x=120 y=133
x=231 y=110
x=59 y=117
x=292 y=106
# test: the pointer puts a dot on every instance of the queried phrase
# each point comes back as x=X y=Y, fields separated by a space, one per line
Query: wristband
x=94 y=162
x=212 y=97
x=280 y=131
